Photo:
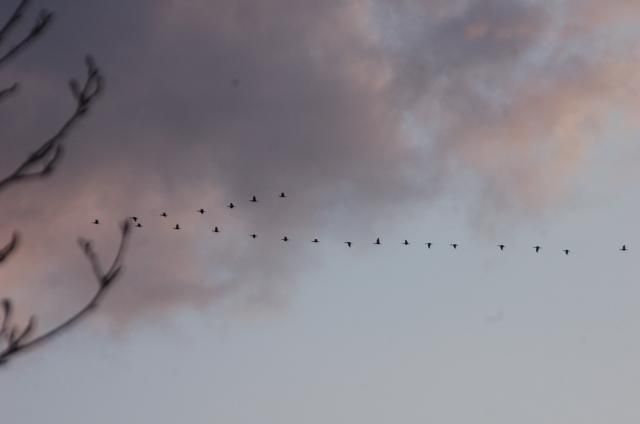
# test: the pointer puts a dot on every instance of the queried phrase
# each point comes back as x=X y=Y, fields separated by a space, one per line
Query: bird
x=537 y=248
x=216 y=230
x=501 y=246
x=201 y=211
x=231 y=206
x=566 y=251
x=406 y=242
x=253 y=236
x=254 y=199
x=285 y=239
x=454 y=245
x=378 y=242
x=429 y=244
x=177 y=227
x=164 y=214
x=139 y=225
x=624 y=248
x=348 y=243
x=282 y=195
x=315 y=240
x=96 y=221
x=134 y=218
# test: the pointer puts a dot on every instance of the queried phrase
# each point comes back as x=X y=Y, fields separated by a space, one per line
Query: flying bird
x=566 y=251
x=348 y=243
x=139 y=225
x=254 y=199
x=253 y=236
x=177 y=227
x=282 y=195
x=501 y=246
x=231 y=206
x=134 y=218
x=285 y=239
x=315 y=240
x=624 y=248
x=216 y=230
x=378 y=242
x=537 y=248
x=454 y=245
x=201 y=211
x=164 y=214
x=406 y=242
x=96 y=222
x=429 y=244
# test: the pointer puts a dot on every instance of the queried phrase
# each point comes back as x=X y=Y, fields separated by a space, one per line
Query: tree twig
x=47 y=156
x=42 y=22
x=10 y=247
x=13 y=19
x=6 y=92
x=17 y=341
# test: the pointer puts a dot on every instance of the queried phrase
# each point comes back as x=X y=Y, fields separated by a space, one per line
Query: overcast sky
x=472 y=121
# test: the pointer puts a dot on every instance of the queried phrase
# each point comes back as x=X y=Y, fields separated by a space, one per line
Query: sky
x=472 y=121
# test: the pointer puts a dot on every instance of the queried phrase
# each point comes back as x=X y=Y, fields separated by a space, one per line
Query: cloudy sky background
x=477 y=121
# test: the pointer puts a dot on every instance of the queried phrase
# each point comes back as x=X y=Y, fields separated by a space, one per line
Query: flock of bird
x=349 y=244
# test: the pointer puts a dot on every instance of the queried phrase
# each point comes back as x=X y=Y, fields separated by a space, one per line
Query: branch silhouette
x=47 y=156
x=17 y=340
x=42 y=22
x=41 y=164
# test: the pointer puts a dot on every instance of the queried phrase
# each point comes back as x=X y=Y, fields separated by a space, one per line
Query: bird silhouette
x=177 y=227
x=216 y=230
x=348 y=243
x=253 y=236
x=254 y=199
x=406 y=242
x=164 y=214
x=624 y=248
x=537 y=248
x=134 y=218
x=501 y=246
x=139 y=225
x=231 y=206
x=285 y=239
x=282 y=195
x=315 y=240
x=378 y=242
x=201 y=211
x=454 y=245
x=429 y=244
x=96 y=221
x=566 y=251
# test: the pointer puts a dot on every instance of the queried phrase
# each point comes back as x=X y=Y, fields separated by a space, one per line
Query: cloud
x=359 y=110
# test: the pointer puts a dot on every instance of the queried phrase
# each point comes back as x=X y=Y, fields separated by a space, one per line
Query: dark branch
x=13 y=20
x=42 y=22
x=17 y=341
x=6 y=92
x=46 y=158
x=9 y=248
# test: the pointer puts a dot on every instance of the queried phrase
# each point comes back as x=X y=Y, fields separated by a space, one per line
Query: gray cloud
x=359 y=110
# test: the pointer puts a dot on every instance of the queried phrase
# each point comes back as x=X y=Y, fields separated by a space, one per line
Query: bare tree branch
x=6 y=92
x=42 y=163
x=17 y=341
x=13 y=20
x=42 y=22
x=47 y=156
x=7 y=250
